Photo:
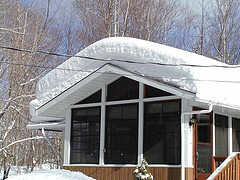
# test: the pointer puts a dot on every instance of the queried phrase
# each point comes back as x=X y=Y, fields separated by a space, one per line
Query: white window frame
x=141 y=100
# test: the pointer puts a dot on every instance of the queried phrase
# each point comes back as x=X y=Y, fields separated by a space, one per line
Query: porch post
x=182 y=149
x=66 y=160
x=186 y=138
x=140 y=123
x=213 y=136
x=229 y=135
x=102 y=127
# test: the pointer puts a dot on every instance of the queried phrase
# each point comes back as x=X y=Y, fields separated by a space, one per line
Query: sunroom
x=141 y=100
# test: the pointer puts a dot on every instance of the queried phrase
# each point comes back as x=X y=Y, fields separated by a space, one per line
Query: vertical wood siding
x=126 y=173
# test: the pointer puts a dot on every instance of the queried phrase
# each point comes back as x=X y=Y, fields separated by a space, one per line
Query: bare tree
x=157 y=21
x=25 y=28
x=223 y=34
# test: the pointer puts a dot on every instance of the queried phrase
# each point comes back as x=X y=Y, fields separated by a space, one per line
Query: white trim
x=140 y=123
x=67 y=137
x=230 y=144
x=164 y=98
x=182 y=144
x=85 y=105
x=123 y=165
x=131 y=101
x=102 y=126
x=71 y=90
x=214 y=138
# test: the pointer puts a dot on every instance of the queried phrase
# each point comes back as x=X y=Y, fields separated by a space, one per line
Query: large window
x=236 y=134
x=123 y=89
x=85 y=136
x=121 y=135
x=120 y=121
x=221 y=129
x=162 y=142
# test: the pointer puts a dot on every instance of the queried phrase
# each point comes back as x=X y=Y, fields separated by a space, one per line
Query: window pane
x=221 y=128
x=85 y=136
x=204 y=128
x=162 y=138
x=123 y=89
x=236 y=134
x=204 y=159
x=154 y=92
x=94 y=98
x=121 y=134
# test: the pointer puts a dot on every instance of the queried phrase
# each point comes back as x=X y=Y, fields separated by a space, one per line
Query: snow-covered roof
x=210 y=80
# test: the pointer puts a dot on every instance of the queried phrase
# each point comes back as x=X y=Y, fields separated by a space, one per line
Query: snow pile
x=213 y=84
x=51 y=175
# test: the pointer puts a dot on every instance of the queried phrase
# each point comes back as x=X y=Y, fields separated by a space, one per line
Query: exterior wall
x=126 y=173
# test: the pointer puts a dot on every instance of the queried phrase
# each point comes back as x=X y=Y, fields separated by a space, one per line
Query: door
x=203 y=146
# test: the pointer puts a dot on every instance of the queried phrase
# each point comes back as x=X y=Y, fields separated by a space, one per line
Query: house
x=122 y=99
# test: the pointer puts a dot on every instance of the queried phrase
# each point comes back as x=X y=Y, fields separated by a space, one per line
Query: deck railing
x=217 y=161
x=228 y=170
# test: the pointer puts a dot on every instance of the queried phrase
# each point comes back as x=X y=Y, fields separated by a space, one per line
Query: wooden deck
x=126 y=173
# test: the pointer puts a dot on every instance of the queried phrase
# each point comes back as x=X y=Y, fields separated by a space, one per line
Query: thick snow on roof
x=218 y=85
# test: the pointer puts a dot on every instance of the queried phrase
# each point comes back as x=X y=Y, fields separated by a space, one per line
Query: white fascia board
x=118 y=71
x=45 y=118
x=71 y=90
x=150 y=82
x=50 y=126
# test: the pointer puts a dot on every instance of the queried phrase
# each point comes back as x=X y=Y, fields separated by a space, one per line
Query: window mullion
x=102 y=128
x=140 y=123
x=230 y=149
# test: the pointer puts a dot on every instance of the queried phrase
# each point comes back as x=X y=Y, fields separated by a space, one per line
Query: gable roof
x=207 y=79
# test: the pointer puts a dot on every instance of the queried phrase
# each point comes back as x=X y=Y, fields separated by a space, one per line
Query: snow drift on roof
x=213 y=84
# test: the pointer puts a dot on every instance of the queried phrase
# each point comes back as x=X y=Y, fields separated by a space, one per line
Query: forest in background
x=211 y=29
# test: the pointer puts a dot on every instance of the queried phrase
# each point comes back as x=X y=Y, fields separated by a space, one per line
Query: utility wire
x=85 y=71
x=105 y=60
x=118 y=60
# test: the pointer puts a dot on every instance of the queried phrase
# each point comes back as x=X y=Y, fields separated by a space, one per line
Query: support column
x=102 y=127
x=140 y=123
x=230 y=136
x=67 y=138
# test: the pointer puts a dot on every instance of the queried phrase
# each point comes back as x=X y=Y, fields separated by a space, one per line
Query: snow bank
x=209 y=83
x=55 y=174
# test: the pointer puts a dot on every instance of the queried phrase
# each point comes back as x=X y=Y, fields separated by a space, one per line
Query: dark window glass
x=95 y=98
x=236 y=134
x=204 y=128
x=121 y=138
x=85 y=136
x=123 y=89
x=154 y=92
x=204 y=159
x=162 y=136
x=221 y=129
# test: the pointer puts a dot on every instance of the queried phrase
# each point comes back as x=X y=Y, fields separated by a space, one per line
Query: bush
x=142 y=172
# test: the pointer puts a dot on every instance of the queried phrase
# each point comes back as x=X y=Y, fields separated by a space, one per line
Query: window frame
x=140 y=101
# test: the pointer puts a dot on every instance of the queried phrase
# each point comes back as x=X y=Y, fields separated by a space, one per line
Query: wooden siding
x=126 y=173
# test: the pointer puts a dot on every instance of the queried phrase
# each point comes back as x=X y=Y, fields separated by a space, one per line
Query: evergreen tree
x=142 y=172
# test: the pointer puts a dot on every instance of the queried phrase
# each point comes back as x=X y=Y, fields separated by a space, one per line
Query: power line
x=105 y=60
x=118 y=60
x=85 y=71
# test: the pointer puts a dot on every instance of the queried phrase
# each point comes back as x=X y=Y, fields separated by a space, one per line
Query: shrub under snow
x=142 y=172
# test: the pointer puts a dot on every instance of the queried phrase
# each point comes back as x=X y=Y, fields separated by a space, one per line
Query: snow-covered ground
x=54 y=174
